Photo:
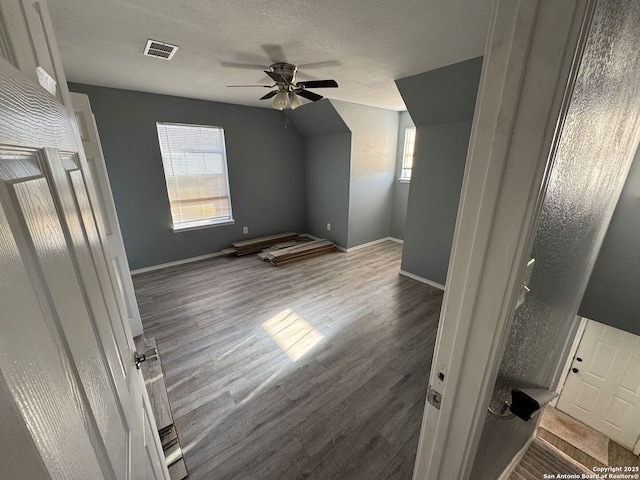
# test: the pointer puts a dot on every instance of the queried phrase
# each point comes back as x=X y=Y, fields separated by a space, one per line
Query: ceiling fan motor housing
x=286 y=70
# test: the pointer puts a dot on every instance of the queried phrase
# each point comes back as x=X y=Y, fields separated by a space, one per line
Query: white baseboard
x=368 y=244
x=397 y=240
x=515 y=460
x=421 y=279
x=152 y=268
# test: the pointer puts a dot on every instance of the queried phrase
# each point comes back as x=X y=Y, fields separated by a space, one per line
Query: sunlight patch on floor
x=293 y=334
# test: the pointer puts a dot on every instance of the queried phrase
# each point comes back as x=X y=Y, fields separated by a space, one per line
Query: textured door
x=72 y=403
x=98 y=169
x=603 y=387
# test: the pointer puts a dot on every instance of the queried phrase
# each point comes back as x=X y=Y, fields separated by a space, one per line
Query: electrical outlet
x=245 y=230
x=328 y=226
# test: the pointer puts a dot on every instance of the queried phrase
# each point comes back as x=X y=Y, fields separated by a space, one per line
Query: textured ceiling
x=363 y=45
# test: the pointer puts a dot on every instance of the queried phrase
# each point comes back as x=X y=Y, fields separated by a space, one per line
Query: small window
x=407 y=156
x=195 y=168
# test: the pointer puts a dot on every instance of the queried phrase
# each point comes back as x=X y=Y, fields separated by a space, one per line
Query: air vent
x=160 y=49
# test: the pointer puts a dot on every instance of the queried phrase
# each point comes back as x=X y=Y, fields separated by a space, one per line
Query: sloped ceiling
x=364 y=45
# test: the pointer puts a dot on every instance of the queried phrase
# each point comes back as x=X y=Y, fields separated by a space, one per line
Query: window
x=407 y=156
x=195 y=168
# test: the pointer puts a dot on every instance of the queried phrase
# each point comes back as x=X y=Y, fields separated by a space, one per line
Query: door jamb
x=530 y=64
x=569 y=360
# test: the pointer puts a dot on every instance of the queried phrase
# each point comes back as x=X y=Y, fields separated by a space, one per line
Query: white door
x=72 y=403
x=98 y=170
x=602 y=389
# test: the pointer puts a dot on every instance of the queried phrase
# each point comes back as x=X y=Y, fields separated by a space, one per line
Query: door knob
x=575 y=370
x=151 y=354
x=578 y=359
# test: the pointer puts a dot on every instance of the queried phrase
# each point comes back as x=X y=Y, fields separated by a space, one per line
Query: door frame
x=530 y=63
x=569 y=360
x=567 y=368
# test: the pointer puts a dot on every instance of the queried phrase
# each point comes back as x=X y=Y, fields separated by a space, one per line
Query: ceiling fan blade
x=274 y=52
x=309 y=95
x=275 y=76
x=241 y=86
x=318 y=84
x=245 y=66
x=269 y=95
x=325 y=64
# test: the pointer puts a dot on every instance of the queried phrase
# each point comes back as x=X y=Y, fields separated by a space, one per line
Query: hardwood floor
x=348 y=407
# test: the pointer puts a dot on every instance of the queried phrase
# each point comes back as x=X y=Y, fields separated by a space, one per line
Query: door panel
x=604 y=392
x=37 y=374
x=76 y=319
x=98 y=169
x=72 y=399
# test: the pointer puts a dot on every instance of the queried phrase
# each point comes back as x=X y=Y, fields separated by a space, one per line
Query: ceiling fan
x=288 y=92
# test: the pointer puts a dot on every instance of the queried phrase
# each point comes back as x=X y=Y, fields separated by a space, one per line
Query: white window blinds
x=195 y=168
x=407 y=158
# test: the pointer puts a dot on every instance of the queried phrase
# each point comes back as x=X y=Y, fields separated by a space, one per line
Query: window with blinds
x=195 y=168
x=407 y=158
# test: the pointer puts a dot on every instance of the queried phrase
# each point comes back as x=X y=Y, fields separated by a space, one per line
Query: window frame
x=403 y=169
x=205 y=223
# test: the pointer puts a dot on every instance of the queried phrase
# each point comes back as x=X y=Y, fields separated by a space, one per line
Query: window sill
x=404 y=180
x=200 y=225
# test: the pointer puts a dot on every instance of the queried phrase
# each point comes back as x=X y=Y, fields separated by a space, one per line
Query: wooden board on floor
x=154 y=380
x=300 y=252
x=247 y=247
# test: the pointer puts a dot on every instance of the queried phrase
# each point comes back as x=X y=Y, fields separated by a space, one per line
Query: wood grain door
x=72 y=403
x=603 y=386
x=95 y=160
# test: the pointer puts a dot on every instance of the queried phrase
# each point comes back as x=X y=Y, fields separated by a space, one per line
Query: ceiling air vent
x=160 y=49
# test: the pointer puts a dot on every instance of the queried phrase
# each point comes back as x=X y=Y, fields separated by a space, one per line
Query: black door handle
x=578 y=359
x=575 y=370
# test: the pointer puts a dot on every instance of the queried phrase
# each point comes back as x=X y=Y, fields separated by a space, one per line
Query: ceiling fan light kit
x=288 y=92
x=280 y=100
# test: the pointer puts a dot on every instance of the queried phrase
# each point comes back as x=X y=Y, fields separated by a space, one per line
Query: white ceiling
x=363 y=44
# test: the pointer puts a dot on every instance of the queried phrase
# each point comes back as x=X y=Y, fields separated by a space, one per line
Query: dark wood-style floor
x=317 y=369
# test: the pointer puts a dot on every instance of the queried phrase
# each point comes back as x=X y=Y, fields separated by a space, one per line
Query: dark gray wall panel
x=438 y=170
x=318 y=118
x=327 y=166
x=612 y=294
x=400 y=190
x=445 y=95
x=266 y=171
x=441 y=104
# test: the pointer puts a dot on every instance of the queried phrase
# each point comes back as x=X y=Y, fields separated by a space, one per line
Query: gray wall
x=373 y=161
x=401 y=189
x=441 y=103
x=350 y=162
x=327 y=157
x=612 y=294
x=266 y=171
x=592 y=160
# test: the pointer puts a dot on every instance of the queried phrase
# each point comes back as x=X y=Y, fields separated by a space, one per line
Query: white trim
x=342 y=249
x=526 y=81
x=569 y=360
x=397 y=240
x=422 y=279
x=187 y=227
x=365 y=245
x=636 y=449
x=515 y=460
x=404 y=180
x=153 y=268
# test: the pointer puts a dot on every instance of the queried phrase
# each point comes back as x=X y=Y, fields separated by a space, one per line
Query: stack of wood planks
x=297 y=253
x=248 y=247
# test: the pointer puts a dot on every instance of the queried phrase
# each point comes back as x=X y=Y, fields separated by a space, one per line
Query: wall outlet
x=328 y=226
x=245 y=230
